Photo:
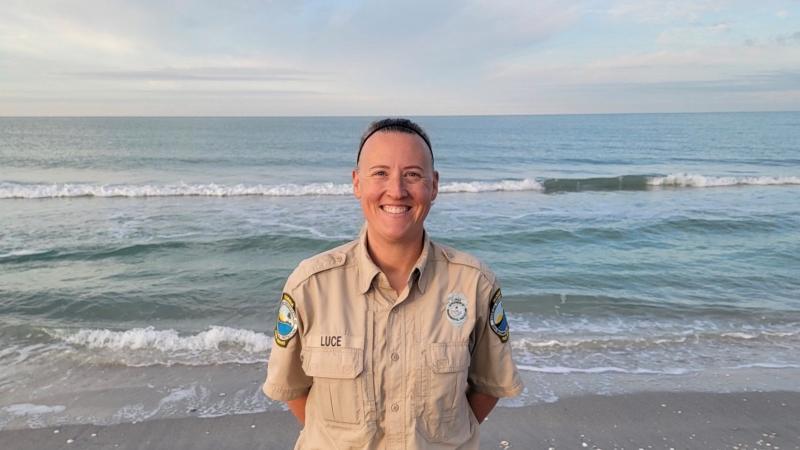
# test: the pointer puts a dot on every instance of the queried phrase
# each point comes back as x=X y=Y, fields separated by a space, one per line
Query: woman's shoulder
x=321 y=262
x=451 y=255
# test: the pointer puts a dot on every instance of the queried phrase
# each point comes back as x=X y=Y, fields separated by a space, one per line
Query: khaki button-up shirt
x=388 y=371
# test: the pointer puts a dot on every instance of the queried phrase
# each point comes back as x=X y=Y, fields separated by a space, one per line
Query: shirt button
x=395 y=357
x=395 y=407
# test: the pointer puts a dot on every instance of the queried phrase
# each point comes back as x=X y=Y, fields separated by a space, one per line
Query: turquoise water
x=147 y=254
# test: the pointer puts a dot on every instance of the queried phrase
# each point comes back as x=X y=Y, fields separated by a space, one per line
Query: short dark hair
x=397 y=124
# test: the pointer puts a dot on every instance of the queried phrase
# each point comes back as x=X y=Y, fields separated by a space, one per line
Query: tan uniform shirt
x=388 y=371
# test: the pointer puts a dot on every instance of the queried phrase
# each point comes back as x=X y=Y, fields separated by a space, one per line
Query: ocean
x=142 y=259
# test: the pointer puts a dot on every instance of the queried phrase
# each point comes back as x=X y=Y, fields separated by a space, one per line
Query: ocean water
x=141 y=259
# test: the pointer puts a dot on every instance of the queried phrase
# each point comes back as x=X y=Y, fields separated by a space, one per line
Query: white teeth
x=395 y=209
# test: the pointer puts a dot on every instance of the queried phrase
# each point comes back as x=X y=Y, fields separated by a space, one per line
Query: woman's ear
x=356 y=184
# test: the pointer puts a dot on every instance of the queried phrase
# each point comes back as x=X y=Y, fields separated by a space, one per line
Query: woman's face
x=396 y=185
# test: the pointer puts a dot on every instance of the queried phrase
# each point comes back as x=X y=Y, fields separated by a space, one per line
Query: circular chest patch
x=456 y=308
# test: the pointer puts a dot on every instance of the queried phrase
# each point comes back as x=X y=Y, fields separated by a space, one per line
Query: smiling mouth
x=391 y=209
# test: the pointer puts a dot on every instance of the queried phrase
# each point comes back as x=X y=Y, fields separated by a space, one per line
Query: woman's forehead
x=395 y=149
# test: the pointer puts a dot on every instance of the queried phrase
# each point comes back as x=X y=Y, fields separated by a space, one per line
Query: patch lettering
x=286 y=324
x=498 y=321
x=456 y=308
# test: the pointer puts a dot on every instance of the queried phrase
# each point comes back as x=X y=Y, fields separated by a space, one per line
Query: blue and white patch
x=456 y=308
x=497 y=317
x=286 y=325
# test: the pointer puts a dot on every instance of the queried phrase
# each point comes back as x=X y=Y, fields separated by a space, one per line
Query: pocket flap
x=344 y=363
x=446 y=357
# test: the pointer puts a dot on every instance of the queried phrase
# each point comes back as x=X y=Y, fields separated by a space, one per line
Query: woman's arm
x=481 y=404
x=298 y=408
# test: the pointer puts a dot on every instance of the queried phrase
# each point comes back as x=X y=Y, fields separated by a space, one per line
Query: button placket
x=394 y=370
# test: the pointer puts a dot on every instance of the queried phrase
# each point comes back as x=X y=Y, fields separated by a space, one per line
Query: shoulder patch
x=286 y=323
x=498 y=321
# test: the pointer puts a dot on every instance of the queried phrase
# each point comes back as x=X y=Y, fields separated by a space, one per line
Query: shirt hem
x=499 y=392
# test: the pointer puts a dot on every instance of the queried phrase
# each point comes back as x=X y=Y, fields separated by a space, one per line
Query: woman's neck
x=395 y=259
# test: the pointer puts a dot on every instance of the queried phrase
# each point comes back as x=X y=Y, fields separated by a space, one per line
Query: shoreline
x=653 y=420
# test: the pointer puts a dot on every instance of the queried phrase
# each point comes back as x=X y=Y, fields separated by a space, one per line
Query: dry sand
x=685 y=420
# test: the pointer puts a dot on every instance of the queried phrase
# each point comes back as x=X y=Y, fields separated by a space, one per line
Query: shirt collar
x=367 y=270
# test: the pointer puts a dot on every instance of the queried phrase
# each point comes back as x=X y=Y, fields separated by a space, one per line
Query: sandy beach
x=747 y=420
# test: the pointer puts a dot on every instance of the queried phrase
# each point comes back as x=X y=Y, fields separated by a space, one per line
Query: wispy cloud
x=788 y=38
x=665 y=11
x=201 y=74
x=413 y=57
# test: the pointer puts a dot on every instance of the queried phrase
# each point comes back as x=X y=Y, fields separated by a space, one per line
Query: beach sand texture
x=686 y=420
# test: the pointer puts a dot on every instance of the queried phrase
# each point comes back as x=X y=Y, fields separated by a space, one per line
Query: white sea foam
x=148 y=346
x=492 y=186
x=169 y=340
x=739 y=335
x=596 y=370
x=23 y=252
x=68 y=190
x=30 y=409
x=766 y=366
x=700 y=181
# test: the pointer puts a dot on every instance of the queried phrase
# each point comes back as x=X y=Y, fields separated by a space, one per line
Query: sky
x=412 y=57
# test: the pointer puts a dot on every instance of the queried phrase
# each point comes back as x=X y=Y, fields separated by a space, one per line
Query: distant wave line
x=690 y=180
x=11 y=190
x=598 y=370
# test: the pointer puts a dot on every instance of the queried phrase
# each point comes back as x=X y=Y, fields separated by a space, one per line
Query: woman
x=392 y=340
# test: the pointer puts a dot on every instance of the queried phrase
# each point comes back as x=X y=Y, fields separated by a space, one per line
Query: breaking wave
x=700 y=181
x=68 y=190
x=148 y=346
x=9 y=190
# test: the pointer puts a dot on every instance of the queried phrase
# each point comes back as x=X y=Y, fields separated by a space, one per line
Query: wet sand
x=684 y=420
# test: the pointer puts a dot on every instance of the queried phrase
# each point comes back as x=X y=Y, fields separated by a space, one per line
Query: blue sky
x=295 y=57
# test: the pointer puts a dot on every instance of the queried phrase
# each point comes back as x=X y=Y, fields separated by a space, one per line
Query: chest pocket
x=444 y=392
x=338 y=391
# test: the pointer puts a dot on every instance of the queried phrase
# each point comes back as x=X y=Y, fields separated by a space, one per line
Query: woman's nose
x=397 y=187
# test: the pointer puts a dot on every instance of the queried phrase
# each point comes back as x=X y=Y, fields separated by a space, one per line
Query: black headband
x=391 y=127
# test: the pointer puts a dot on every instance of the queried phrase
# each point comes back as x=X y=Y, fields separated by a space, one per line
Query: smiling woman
x=396 y=185
x=348 y=363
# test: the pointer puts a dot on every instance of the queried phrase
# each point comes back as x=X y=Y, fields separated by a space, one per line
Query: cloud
x=221 y=73
x=788 y=38
x=41 y=31
x=753 y=82
x=664 y=11
x=696 y=36
x=364 y=57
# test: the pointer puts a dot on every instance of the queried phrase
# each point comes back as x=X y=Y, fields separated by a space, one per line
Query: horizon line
x=298 y=116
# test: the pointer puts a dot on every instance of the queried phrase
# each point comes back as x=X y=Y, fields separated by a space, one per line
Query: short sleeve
x=286 y=379
x=492 y=370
